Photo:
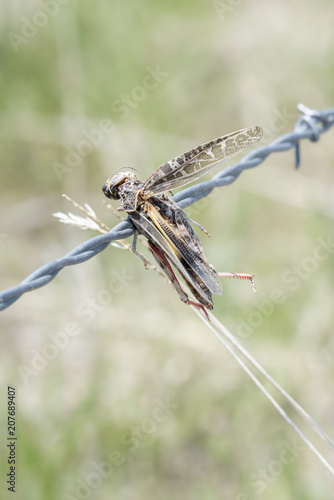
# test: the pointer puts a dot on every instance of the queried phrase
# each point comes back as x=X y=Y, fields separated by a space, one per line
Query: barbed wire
x=310 y=126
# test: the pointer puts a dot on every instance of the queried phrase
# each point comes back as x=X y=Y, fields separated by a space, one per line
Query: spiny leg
x=199 y=226
x=242 y=276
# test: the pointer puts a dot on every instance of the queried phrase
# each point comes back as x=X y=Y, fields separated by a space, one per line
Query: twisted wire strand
x=310 y=126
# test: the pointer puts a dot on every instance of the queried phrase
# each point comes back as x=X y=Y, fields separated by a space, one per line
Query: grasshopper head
x=112 y=187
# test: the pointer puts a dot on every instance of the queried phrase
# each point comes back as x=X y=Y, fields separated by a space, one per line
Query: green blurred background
x=131 y=346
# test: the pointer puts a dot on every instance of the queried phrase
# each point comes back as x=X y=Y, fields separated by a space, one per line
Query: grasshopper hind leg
x=162 y=260
x=242 y=276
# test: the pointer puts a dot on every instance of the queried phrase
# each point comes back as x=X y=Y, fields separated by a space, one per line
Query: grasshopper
x=171 y=238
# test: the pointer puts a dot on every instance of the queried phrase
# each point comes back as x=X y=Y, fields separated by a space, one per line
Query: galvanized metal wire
x=310 y=126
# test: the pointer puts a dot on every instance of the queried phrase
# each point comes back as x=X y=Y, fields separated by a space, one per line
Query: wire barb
x=310 y=126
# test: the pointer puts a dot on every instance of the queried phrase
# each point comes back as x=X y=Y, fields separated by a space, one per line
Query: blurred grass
x=225 y=72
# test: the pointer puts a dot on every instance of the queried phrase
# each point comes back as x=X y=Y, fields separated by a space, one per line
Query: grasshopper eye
x=111 y=188
x=111 y=191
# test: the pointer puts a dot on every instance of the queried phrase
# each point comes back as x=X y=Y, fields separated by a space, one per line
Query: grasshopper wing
x=185 y=243
x=193 y=164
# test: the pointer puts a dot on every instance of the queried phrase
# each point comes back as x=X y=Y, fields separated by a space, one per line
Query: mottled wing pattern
x=187 y=232
x=196 y=162
x=186 y=243
x=191 y=250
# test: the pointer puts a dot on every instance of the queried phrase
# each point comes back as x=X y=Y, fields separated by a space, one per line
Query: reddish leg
x=166 y=267
x=198 y=306
x=249 y=277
